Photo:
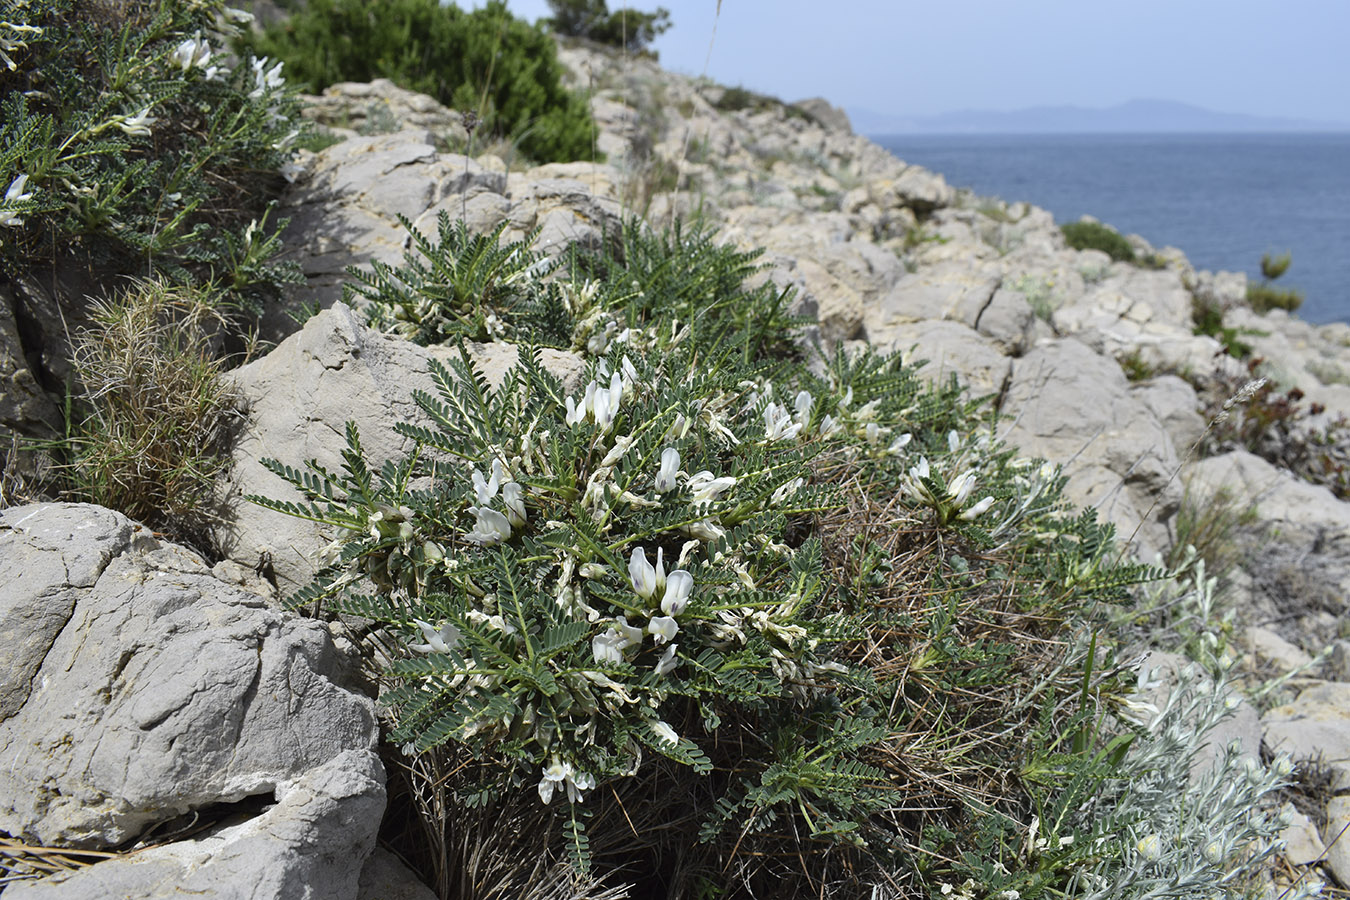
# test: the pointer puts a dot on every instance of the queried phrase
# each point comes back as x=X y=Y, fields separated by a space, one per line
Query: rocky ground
x=882 y=252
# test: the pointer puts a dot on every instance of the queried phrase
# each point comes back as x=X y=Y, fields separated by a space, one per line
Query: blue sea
x=1222 y=199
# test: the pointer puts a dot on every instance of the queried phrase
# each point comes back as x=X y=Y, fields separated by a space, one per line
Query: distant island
x=1132 y=116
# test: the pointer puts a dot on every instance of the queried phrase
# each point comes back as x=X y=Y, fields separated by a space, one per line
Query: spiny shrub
x=485 y=61
x=131 y=142
x=745 y=624
x=1095 y=236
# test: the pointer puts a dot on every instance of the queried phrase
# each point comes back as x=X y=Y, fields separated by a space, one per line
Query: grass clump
x=1096 y=236
x=484 y=61
x=150 y=416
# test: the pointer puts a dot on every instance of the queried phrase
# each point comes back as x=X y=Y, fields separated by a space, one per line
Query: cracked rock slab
x=310 y=845
x=153 y=688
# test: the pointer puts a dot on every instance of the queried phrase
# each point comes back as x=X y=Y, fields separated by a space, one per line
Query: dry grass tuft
x=152 y=418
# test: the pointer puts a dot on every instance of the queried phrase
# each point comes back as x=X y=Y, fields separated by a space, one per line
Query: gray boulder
x=1072 y=406
x=309 y=845
x=148 y=688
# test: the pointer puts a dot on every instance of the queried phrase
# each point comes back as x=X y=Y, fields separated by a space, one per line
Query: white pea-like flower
x=490 y=528
x=872 y=433
x=978 y=509
x=192 y=52
x=665 y=733
x=704 y=488
x=663 y=628
x=830 y=426
x=670 y=466
x=607 y=647
x=785 y=491
x=642 y=574
x=513 y=498
x=679 y=587
x=486 y=489
x=921 y=470
x=900 y=443
x=953 y=441
x=15 y=192
x=667 y=662
x=803 y=404
x=778 y=424
x=439 y=640
x=961 y=486
x=139 y=124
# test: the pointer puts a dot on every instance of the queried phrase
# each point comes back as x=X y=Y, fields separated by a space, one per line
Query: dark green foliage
x=1095 y=236
x=123 y=150
x=1265 y=296
x=485 y=61
x=591 y=19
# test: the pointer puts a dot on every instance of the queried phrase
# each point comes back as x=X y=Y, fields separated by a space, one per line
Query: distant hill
x=1131 y=116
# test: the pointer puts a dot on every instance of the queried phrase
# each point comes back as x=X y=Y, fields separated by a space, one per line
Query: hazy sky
x=1262 y=57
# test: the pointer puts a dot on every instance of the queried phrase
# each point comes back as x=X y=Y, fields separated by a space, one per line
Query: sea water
x=1224 y=200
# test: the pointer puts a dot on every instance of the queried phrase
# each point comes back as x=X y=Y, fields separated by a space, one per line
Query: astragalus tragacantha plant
x=730 y=625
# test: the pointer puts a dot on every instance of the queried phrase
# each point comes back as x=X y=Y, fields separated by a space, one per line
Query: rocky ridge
x=884 y=253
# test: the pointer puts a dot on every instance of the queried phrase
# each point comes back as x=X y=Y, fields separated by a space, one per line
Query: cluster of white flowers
x=959 y=488
x=648 y=581
x=491 y=526
x=562 y=774
x=601 y=404
x=196 y=53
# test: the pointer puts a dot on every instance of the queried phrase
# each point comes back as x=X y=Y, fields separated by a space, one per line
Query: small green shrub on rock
x=1095 y=236
x=131 y=142
x=485 y=61
x=1265 y=296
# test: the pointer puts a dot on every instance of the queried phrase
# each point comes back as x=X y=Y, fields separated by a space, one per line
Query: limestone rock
x=832 y=117
x=1173 y=401
x=949 y=348
x=335 y=370
x=1302 y=844
x=310 y=845
x=382 y=106
x=1335 y=836
x=1072 y=406
x=160 y=690
x=1316 y=722
x=1270 y=648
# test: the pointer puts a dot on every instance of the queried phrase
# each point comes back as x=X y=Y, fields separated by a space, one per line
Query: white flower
x=704 y=530
x=670 y=465
x=978 y=509
x=513 y=497
x=921 y=470
x=830 y=426
x=900 y=443
x=616 y=453
x=265 y=79
x=642 y=574
x=485 y=490
x=139 y=124
x=953 y=441
x=872 y=433
x=632 y=635
x=667 y=662
x=192 y=52
x=663 y=628
x=704 y=488
x=961 y=486
x=607 y=646
x=440 y=640
x=664 y=733
x=561 y=773
x=803 y=404
x=1150 y=847
x=490 y=528
x=778 y=425
x=679 y=586
x=15 y=192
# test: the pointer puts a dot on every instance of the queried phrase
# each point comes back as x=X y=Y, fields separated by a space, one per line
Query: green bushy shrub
x=1095 y=236
x=591 y=19
x=743 y=625
x=485 y=61
x=1265 y=296
x=130 y=142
